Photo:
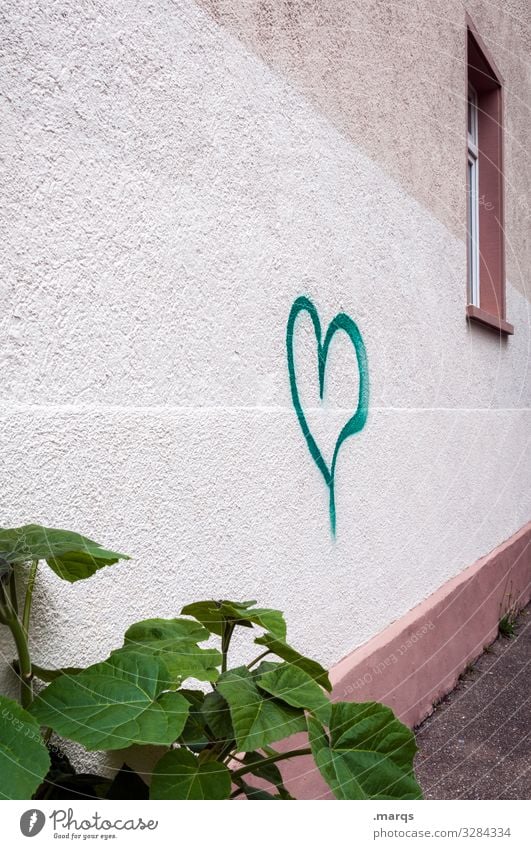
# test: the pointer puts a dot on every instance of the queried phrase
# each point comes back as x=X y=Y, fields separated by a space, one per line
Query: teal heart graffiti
x=357 y=421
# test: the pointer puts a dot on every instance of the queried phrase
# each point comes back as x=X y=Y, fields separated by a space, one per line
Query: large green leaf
x=208 y=613
x=367 y=754
x=113 y=704
x=256 y=794
x=175 y=640
x=257 y=719
x=294 y=686
x=195 y=734
x=24 y=759
x=261 y=768
x=286 y=652
x=179 y=775
x=216 y=714
x=71 y=555
x=214 y=614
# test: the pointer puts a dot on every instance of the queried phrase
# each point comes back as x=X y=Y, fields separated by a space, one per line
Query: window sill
x=486 y=318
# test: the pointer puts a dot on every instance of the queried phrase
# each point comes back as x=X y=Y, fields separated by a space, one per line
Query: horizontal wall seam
x=6 y=406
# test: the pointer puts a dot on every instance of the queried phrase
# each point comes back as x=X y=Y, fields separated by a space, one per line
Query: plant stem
x=294 y=753
x=21 y=642
x=5 y=603
x=225 y=643
x=13 y=593
x=260 y=656
x=29 y=594
x=9 y=615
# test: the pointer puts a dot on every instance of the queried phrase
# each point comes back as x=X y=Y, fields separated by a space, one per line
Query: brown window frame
x=485 y=79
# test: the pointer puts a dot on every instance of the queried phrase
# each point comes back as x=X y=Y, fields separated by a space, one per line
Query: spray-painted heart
x=357 y=421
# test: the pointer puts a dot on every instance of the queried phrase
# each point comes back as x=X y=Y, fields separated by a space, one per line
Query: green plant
x=468 y=670
x=218 y=737
x=507 y=622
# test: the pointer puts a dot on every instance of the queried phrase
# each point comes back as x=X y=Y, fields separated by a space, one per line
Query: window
x=473 y=199
x=485 y=242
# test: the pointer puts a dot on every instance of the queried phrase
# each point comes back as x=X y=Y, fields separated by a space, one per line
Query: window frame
x=485 y=201
x=473 y=198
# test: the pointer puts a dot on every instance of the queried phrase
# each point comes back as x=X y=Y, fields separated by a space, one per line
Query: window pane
x=473 y=232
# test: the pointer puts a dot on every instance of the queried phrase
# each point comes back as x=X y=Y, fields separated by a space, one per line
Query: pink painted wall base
x=418 y=659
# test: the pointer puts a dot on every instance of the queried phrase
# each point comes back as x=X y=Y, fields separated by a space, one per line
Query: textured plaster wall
x=167 y=196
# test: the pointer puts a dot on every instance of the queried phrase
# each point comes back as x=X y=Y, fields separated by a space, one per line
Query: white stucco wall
x=168 y=197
